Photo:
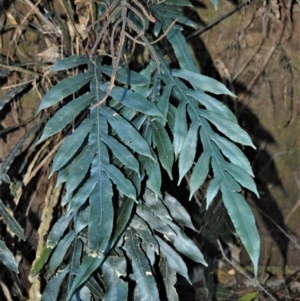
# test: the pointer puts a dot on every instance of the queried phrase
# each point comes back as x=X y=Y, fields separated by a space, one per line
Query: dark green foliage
x=120 y=226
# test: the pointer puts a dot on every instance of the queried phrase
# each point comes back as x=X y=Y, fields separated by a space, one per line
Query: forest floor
x=256 y=53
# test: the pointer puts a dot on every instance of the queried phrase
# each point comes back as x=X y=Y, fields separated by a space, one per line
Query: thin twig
x=41 y=16
x=297 y=205
x=280 y=229
x=267 y=60
x=43 y=162
x=243 y=272
x=214 y=23
x=272 y=159
x=249 y=61
x=148 y=44
x=116 y=60
x=149 y=17
x=17 y=85
x=100 y=35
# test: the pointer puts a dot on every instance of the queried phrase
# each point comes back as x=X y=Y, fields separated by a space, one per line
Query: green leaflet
x=52 y=288
x=99 y=130
x=141 y=270
x=101 y=207
x=156 y=88
x=116 y=288
x=123 y=184
x=157 y=28
x=153 y=221
x=81 y=195
x=238 y=209
x=180 y=128
x=65 y=115
x=171 y=117
x=75 y=260
x=71 y=145
x=64 y=89
x=7 y=258
x=95 y=288
x=94 y=87
x=232 y=152
x=58 y=230
x=218 y=163
x=212 y=190
x=101 y=219
x=133 y=101
x=231 y=182
x=136 y=179
x=82 y=219
x=169 y=278
x=205 y=135
x=211 y=104
x=185 y=245
x=181 y=49
x=127 y=133
x=60 y=251
x=62 y=176
x=163 y=103
x=87 y=267
x=164 y=146
x=215 y=3
x=200 y=172
x=172 y=232
x=188 y=152
x=143 y=90
x=121 y=152
x=173 y=259
x=154 y=175
x=178 y=212
x=10 y=221
x=139 y=224
x=149 y=243
x=243 y=221
x=155 y=205
x=148 y=246
x=240 y=176
x=136 y=295
x=70 y=62
x=84 y=294
x=249 y=296
x=124 y=214
x=203 y=82
x=40 y=261
x=168 y=78
x=126 y=76
x=128 y=113
x=80 y=167
x=227 y=127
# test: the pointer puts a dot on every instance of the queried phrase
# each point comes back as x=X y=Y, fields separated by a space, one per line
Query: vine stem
x=270 y=54
x=214 y=23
